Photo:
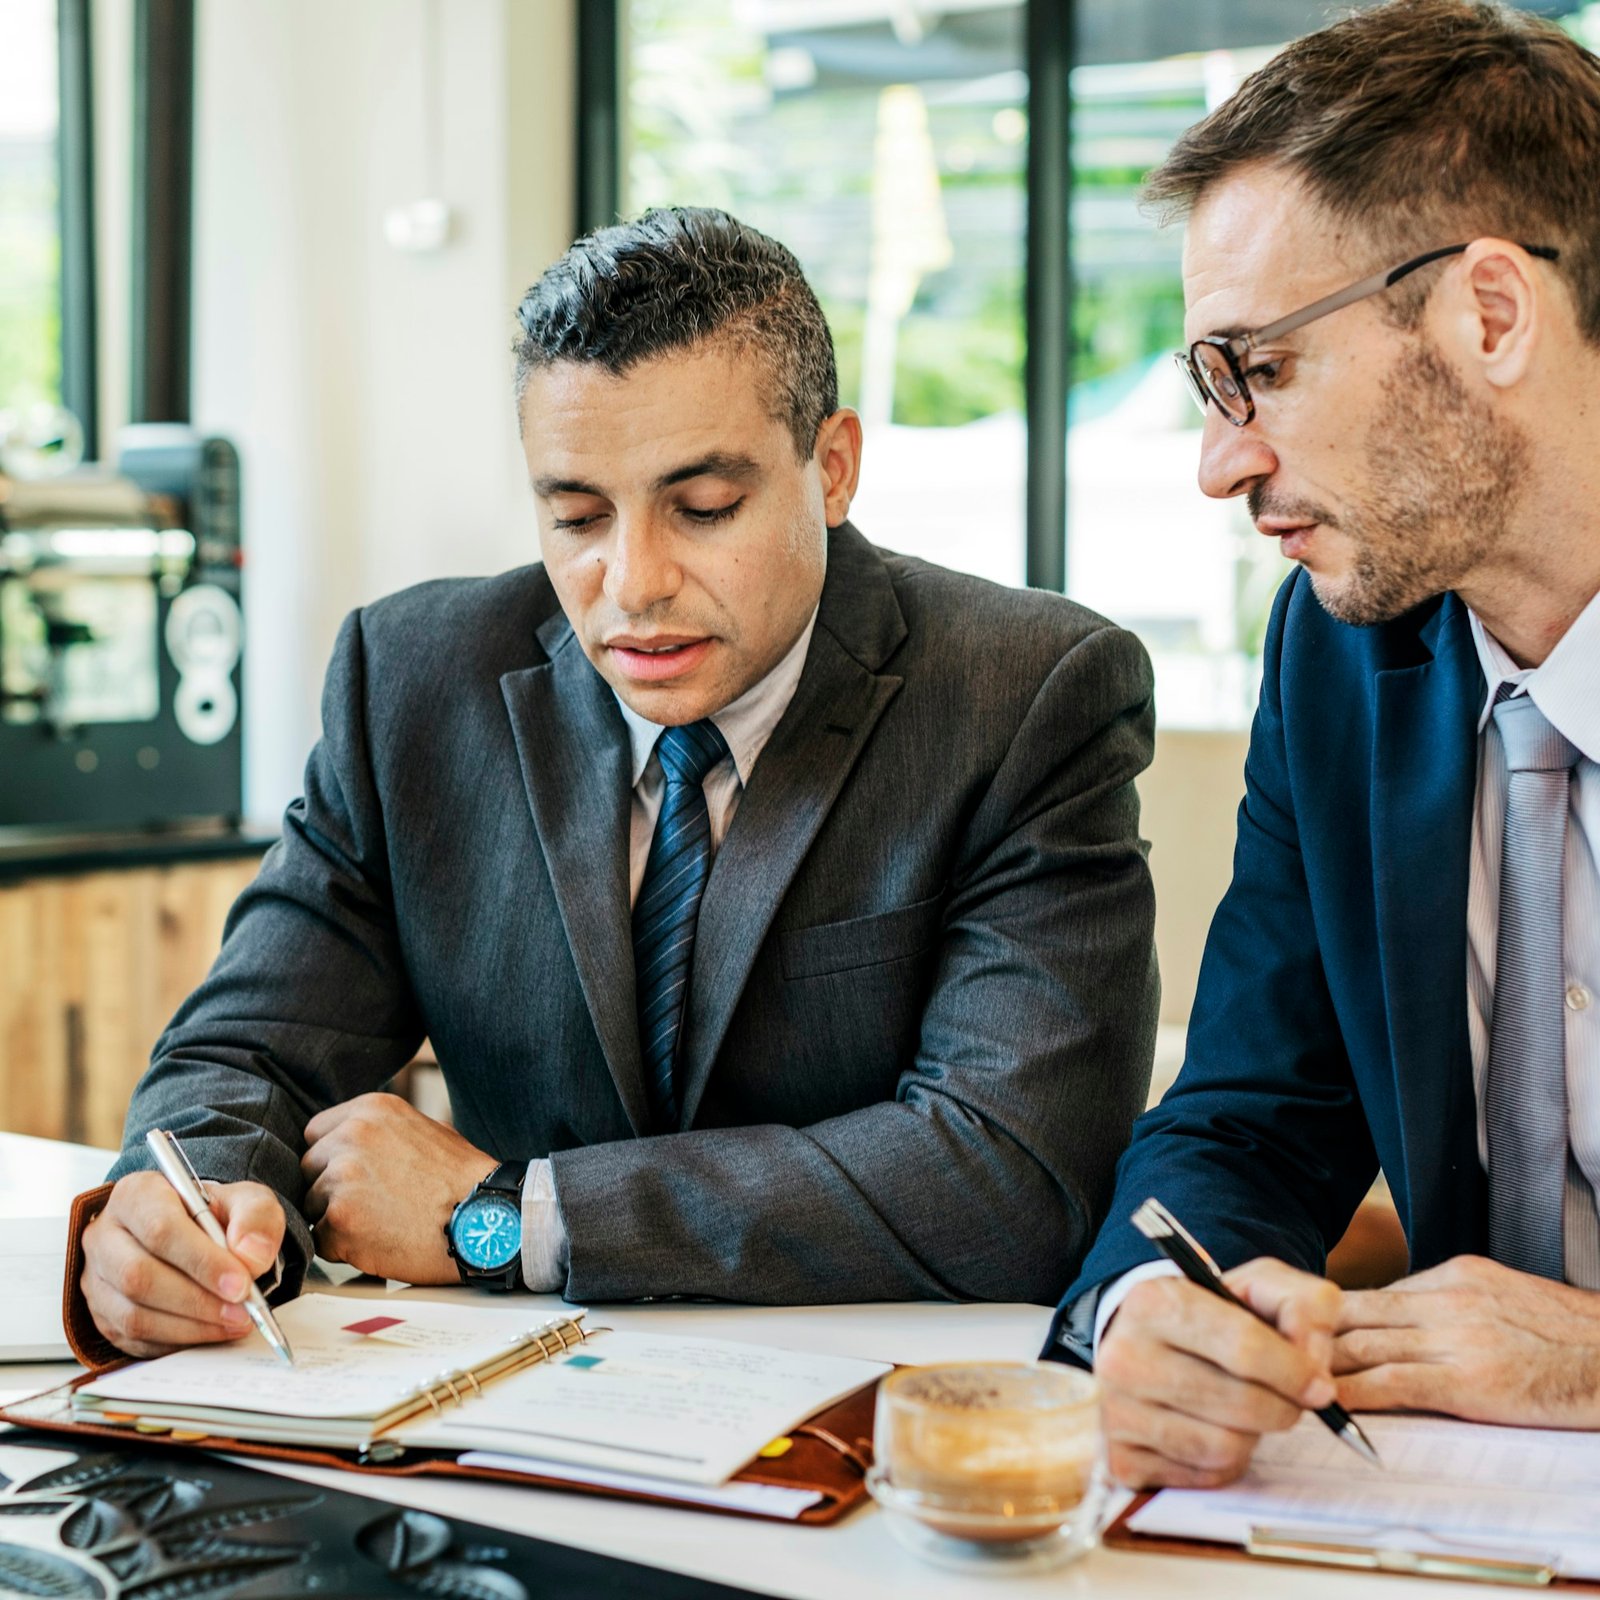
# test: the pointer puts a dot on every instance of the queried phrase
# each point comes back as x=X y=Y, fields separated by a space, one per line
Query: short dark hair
x=1422 y=123
x=672 y=280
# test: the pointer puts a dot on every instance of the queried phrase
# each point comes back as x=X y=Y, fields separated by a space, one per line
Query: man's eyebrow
x=719 y=464
x=547 y=486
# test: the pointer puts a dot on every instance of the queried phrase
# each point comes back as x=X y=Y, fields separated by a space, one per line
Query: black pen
x=1183 y=1250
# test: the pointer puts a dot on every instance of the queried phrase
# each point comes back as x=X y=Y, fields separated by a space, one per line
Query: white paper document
x=32 y=1250
x=768 y=1499
x=1446 y=1487
x=692 y=1410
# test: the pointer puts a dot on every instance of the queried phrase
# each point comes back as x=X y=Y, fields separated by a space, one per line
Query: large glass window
x=886 y=142
x=30 y=206
x=886 y=145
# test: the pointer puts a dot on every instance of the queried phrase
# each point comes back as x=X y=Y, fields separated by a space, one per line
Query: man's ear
x=1497 y=314
x=838 y=461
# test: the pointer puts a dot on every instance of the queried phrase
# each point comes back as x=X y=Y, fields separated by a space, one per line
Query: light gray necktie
x=1526 y=1111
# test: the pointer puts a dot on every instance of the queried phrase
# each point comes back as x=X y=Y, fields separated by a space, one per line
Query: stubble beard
x=1444 y=476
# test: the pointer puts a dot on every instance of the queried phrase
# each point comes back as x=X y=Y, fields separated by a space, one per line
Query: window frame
x=163 y=210
x=1050 y=29
x=80 y=389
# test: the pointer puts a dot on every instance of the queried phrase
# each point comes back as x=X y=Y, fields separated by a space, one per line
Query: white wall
x=368 y=390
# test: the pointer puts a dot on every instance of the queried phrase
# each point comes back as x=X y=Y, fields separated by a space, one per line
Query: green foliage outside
x=30 y=278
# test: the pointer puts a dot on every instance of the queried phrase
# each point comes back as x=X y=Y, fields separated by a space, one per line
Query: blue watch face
x=487 y=1232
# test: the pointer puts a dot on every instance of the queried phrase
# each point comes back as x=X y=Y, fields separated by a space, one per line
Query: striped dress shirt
x=1566 y=688
x=746 y=724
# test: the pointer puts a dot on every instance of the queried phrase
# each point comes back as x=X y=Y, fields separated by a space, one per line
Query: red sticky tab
x=372 y=1325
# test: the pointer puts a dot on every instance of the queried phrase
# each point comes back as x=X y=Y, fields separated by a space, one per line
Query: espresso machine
x=121 y=638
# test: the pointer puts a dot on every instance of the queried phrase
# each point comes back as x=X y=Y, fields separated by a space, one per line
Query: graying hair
x=675 y=279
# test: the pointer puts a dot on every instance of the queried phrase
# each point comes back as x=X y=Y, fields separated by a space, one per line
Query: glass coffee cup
x=991 y=1464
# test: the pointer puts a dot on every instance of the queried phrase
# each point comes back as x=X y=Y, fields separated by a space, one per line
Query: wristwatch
x=484 y=1233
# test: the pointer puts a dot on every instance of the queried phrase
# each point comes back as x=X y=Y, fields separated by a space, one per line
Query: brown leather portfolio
x=828 y=1455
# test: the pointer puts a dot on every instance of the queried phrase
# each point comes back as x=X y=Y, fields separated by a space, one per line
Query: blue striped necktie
x=1526 y=1092
x=668 y=907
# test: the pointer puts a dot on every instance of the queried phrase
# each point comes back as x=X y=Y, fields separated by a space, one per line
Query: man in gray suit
x=775 y=905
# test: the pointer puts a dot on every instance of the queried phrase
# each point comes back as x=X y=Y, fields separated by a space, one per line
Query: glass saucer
x=984 y=1542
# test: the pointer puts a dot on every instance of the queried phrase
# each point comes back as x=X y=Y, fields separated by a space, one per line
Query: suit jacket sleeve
x=1261 y=1146
x=307 y=1004
x=986 y=1174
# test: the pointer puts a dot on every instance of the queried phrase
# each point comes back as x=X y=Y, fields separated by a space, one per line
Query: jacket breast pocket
x=873 y=941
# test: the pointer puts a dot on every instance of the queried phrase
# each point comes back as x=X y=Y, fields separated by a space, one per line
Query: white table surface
x=857 y=1559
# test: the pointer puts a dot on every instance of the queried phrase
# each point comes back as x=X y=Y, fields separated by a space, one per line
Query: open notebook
x=438 y=1376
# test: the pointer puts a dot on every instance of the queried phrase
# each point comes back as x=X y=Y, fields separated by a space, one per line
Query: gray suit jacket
x=923 y=998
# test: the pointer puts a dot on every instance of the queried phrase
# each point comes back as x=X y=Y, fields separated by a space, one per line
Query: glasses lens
x=1220 y=382
x=1192 y=378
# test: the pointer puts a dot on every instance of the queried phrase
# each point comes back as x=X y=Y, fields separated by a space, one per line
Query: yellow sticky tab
x=146 y=1425
x=778 y=1447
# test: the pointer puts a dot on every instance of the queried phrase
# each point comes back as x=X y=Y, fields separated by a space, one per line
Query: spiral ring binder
x=527 y=1350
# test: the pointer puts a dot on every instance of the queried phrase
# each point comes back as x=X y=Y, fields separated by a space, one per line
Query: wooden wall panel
x=92 y=968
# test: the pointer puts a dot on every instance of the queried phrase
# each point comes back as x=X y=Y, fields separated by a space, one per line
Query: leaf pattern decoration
x=216 y=1577
x=204 y=1523
x=456 y=1580
x=38 y=1572
x=402 y=1541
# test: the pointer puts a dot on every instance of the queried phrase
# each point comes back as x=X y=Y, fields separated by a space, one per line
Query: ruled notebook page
x=353 y=1359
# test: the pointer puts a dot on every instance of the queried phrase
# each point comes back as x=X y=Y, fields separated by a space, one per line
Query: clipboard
x=1327 y=1548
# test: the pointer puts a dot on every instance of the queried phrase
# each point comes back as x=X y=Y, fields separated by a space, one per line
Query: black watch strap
x=505 y=1179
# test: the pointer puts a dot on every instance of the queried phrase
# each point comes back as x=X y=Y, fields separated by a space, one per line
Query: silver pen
x=179 y=1172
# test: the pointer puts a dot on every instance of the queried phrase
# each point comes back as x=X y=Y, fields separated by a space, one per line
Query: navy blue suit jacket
x=1329 y=1031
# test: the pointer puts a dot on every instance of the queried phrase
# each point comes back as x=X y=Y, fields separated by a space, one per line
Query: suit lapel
x=572 y=746
x=793 y=787
x=1424 y=777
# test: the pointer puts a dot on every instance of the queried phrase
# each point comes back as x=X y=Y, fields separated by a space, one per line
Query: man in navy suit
x=1392 y=277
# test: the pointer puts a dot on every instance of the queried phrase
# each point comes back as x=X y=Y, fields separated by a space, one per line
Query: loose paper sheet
x=31 y=1252
x=769 y=1499
x=1450 y=1487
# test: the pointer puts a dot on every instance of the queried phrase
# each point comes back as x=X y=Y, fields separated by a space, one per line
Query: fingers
x=1304 y=1309
x=1196 y=1449
x=1173 y=1314
x=1404 y=1386
x=152 y=1278
x=1362 y=1348
x=150 y=1211
x=1201 y=1390
x=1136 y=1467
x=363 y=1106
x=321 y=1125
x=253 y=1219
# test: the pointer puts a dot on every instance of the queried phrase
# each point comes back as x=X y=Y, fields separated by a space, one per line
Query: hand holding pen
x=176 y=1168
x=1180 y=1247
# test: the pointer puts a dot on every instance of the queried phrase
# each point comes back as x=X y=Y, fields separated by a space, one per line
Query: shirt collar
x=746 y=723
x=1562 y=685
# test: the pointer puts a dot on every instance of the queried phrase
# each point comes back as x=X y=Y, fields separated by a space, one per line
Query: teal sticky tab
x=584 y=1361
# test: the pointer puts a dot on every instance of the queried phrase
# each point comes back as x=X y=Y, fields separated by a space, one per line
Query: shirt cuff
x=1114 y=1293
x=544 y=1235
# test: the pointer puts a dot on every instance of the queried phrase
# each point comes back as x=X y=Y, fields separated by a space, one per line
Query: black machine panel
x=121 y=639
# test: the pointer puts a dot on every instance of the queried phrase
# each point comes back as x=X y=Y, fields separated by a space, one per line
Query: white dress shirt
x=1566 y=688
x=746 y=725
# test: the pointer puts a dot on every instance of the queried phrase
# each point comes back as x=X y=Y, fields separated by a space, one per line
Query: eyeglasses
x=1211 y=365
